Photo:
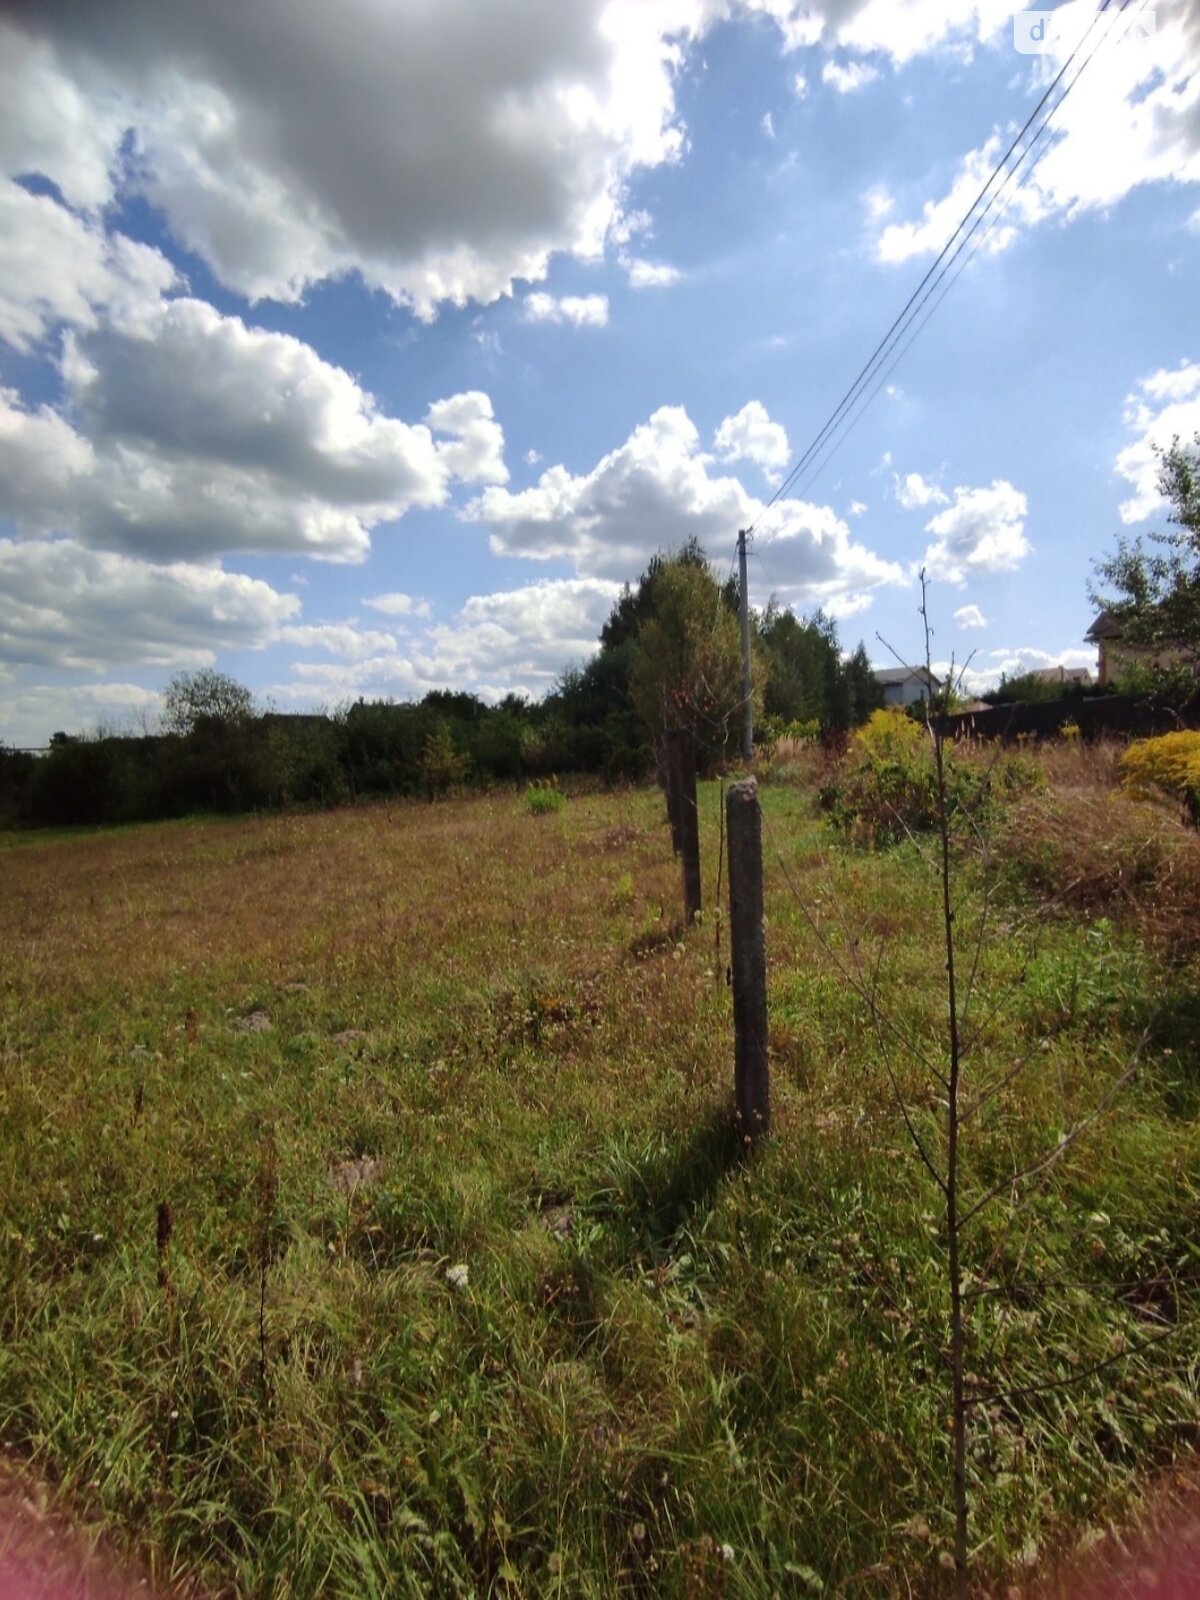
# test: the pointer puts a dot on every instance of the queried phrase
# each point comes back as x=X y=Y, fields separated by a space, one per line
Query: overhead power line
x=937 y=279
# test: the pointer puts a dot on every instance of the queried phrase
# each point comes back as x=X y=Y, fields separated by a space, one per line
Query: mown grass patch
x=487 y=1044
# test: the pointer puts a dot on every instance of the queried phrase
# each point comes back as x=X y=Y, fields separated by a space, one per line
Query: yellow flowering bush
x=1168 y=765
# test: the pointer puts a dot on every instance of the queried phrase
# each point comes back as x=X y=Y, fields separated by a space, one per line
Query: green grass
x=669 y=1370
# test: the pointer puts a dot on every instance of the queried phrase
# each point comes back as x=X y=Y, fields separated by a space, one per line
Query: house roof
x=1105 y=626
x=887 y=675
x=1061 y=675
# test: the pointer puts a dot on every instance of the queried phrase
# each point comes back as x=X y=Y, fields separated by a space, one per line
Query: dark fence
x=1115 y=715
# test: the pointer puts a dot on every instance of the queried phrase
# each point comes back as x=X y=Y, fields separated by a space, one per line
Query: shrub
x=1166 y=685
x=16 y=774
x=82 y=782
x=304 y=763
x=886 y=787
x=1168 y=765
x=442 y=765
x=776 y=730
x=544 y=796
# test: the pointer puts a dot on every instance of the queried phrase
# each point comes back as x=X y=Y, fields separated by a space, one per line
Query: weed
x=543 y=797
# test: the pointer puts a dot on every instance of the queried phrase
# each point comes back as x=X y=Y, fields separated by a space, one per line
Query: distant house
x=1116 y=657
x=906 y=686
x=1105 y=633
x=1063 y=675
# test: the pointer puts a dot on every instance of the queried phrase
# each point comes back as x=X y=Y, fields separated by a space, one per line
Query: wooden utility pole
x=747 y=681
x=748 y=959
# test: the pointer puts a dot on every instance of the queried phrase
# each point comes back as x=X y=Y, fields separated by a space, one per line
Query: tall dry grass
x=1086 y=846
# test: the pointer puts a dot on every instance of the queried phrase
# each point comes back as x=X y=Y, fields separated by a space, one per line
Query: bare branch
x=993 y=1089
x=993 y=1396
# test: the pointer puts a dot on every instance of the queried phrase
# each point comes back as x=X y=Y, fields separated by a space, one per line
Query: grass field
x=372 y=1226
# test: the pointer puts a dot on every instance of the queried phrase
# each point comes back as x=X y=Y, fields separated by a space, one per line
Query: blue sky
x=369 y=352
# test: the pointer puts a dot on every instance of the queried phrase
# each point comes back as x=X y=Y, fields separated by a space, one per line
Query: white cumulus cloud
x=338 y=638
x=913 y=491
x=194 y=434
x=524 y=636
x=442 y=152
x=581 y=311
x=900 y=241
x=474 y=449
x=848 y=77
x=58 y=267
x=399 y=605
x=445 y=153
x=905 y=31
x=877 y=202
x=658 y=490
x=1133 y=118
x=1164 y=406
x=751 y=435
x=42 y=461
x=514 y=640
x=68 y=606
x=970 y=617
x=650 y=274
x=983 y=530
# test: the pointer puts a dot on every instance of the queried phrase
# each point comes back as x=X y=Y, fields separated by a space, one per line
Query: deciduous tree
x=1153 y=589
x=686 y=670
x=192 y=698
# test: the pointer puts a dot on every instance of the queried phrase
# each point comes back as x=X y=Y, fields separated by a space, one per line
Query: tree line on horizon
x=669 y=653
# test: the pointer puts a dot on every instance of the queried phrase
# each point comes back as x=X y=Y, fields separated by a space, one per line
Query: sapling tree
x=980 y=1196
x=964 y=1204
x=442 y=764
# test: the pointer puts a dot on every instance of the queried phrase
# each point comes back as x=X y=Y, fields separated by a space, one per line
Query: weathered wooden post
x=748 y=959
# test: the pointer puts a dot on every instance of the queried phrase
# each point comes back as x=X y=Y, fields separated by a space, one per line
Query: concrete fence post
x=664 y=755
x=689 y=828
x=683 y=777
x=748 y=958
